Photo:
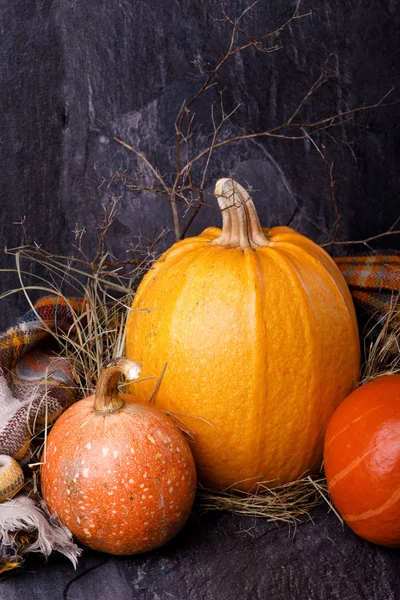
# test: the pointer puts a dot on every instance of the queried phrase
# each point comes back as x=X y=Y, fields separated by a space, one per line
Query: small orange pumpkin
x=259 y=334
x=119 y=474
x=362 y=460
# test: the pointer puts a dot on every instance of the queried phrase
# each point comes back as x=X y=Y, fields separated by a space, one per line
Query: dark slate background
x=74 y=73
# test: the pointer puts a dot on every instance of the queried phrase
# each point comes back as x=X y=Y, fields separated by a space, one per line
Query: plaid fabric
x=374 y=281
x=36 y=386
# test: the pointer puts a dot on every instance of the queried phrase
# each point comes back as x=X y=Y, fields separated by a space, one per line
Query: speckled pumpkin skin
x=123 y=482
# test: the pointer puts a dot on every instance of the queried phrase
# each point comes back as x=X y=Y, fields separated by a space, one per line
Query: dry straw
x=98 y=336
x=383 y=355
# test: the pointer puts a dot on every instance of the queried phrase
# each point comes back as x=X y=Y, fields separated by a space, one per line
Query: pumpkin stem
x=106 y=398
x=240 y=225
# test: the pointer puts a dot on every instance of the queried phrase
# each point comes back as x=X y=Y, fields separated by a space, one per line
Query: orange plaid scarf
x=374 y=281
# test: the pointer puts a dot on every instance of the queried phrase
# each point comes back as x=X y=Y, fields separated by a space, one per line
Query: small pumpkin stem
x=106 y=398
x=240 y=225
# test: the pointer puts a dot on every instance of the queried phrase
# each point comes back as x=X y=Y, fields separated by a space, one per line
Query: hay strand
x=285 y=503
x=98 y=336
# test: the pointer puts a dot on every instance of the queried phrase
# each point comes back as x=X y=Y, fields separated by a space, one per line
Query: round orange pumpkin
x=119 y=474
x=362 y=460
x=258 y=332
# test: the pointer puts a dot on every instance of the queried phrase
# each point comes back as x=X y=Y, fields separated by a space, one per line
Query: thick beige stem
x=107 y=399
x=240 y=225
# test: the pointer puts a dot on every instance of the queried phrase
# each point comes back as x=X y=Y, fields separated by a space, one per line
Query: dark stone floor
x=220 y=556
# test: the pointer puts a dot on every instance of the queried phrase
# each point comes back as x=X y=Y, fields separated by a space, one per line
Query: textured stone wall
x=75 y=73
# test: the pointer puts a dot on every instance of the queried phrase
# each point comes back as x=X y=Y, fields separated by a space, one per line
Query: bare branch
x=323 y=77
x=366 y=241
x=184 y=190
x=315 y=127
x=256 y=41
x=160 y=180
x=146 y=161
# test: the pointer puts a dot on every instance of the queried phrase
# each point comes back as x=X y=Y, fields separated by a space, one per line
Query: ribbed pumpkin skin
x=123 y=483
x=362 y=460
x=261 y=346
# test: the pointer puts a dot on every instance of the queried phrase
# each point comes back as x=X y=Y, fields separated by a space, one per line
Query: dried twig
x=365 y=241
x=183 y=188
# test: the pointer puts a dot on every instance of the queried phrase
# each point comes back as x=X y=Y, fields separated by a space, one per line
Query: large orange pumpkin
x=258 y=332
x=120 y=475
x=362 y=460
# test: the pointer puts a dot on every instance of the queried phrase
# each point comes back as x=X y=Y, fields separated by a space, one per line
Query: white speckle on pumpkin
x=168 y=482
x=141 y=485
x=178 y=449
x=79 y=520
x=145 y=489
x=105 y=450
x=143 y=496
x=88 y=445
x=133 y=450
x=131 y=480
x=92 y=525
x=68 y=492
x=87 y=532
x=134 y=372
x=54 y=449
x=170 y=489
x=151 y=495
x=114 y=512
x=110 y=493
x=151 y=439
x=85 y=472
x=115 y=453
x=145 y=475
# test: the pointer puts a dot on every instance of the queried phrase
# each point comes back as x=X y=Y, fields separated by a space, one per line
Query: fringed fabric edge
x=27 y=526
